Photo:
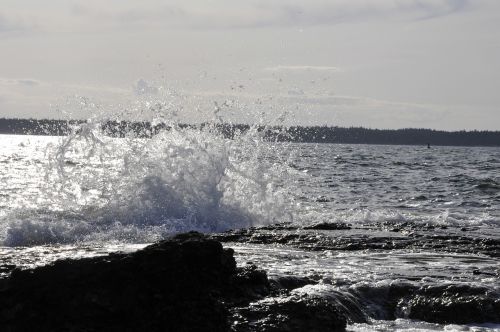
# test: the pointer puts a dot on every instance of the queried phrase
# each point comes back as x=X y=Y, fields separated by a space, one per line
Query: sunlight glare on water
x=92 y=187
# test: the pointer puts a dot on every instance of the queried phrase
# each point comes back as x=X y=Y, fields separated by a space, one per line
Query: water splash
x=133 y=189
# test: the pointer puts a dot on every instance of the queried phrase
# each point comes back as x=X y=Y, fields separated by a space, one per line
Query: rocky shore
x=372 y=236
x=186 y=283
x=190 y=282
x=452 y=302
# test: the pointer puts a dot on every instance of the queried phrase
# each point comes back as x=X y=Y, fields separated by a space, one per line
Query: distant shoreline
x=298 y=134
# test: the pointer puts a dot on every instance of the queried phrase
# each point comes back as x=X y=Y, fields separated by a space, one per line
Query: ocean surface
x=402 y=215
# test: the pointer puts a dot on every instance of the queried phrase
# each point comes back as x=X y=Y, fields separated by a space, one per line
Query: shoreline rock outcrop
x=185 y=283
x=191 y=283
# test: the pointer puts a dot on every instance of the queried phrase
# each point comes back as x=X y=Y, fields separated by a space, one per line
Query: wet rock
x=186 y=283
x=380 y=301
x=287 y=282
x=435 y=303
x=174 y=285
x=373 y=236
x=453 y=304
x=323 y=199
x=291 y=314
x=486 y=273
x=248 y=283
x=278 y=226
x=328 y=226
x=4 y=268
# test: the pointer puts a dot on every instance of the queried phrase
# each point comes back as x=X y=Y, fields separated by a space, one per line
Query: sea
x=363 y=218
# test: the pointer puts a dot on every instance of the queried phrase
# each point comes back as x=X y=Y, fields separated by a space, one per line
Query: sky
x=373 y=63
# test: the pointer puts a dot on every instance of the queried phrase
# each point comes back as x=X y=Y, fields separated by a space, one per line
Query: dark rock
x=278 y=226
x=186 y=283
x=329 y=226
x=323 y=199
x=381 y=301
x=292 y=314
x=248 y=283
x=453 y=304
x=443 y=304
x=291 y=282
x=7 y=268
x=360 y=237
x=173 y=285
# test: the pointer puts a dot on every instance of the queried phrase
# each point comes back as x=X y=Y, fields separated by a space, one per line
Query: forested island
x=299 y=134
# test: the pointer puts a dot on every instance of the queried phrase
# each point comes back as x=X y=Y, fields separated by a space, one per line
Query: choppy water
x=441 y=185
x=89 y=194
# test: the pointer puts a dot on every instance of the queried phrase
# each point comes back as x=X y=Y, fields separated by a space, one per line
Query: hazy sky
x=375 y=63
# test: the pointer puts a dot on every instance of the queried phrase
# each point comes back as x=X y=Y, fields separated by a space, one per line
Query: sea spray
x=135 y=189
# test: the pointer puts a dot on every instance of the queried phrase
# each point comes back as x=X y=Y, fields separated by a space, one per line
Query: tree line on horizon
x=299 y=134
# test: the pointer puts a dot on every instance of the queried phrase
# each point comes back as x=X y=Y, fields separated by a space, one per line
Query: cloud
x=296 y=92
x=435 y=9
x=144 y=14
x=298 y=97
x=230 y=14
x=13 y=23
x=354 y=101
x=29 y=97
x=303 y=68
x=6 y=25
x=359 y=110
x=342 y=110
x=28 y=82
x=317 y=12
x=341 y=11
x=144 y=88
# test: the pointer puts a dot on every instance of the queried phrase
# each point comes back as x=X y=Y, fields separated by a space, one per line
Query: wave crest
x=139 y=190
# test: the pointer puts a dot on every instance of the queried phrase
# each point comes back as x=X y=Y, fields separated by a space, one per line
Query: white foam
x=139 y=190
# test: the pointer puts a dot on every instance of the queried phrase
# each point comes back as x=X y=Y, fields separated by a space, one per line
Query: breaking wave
x=133 y=189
